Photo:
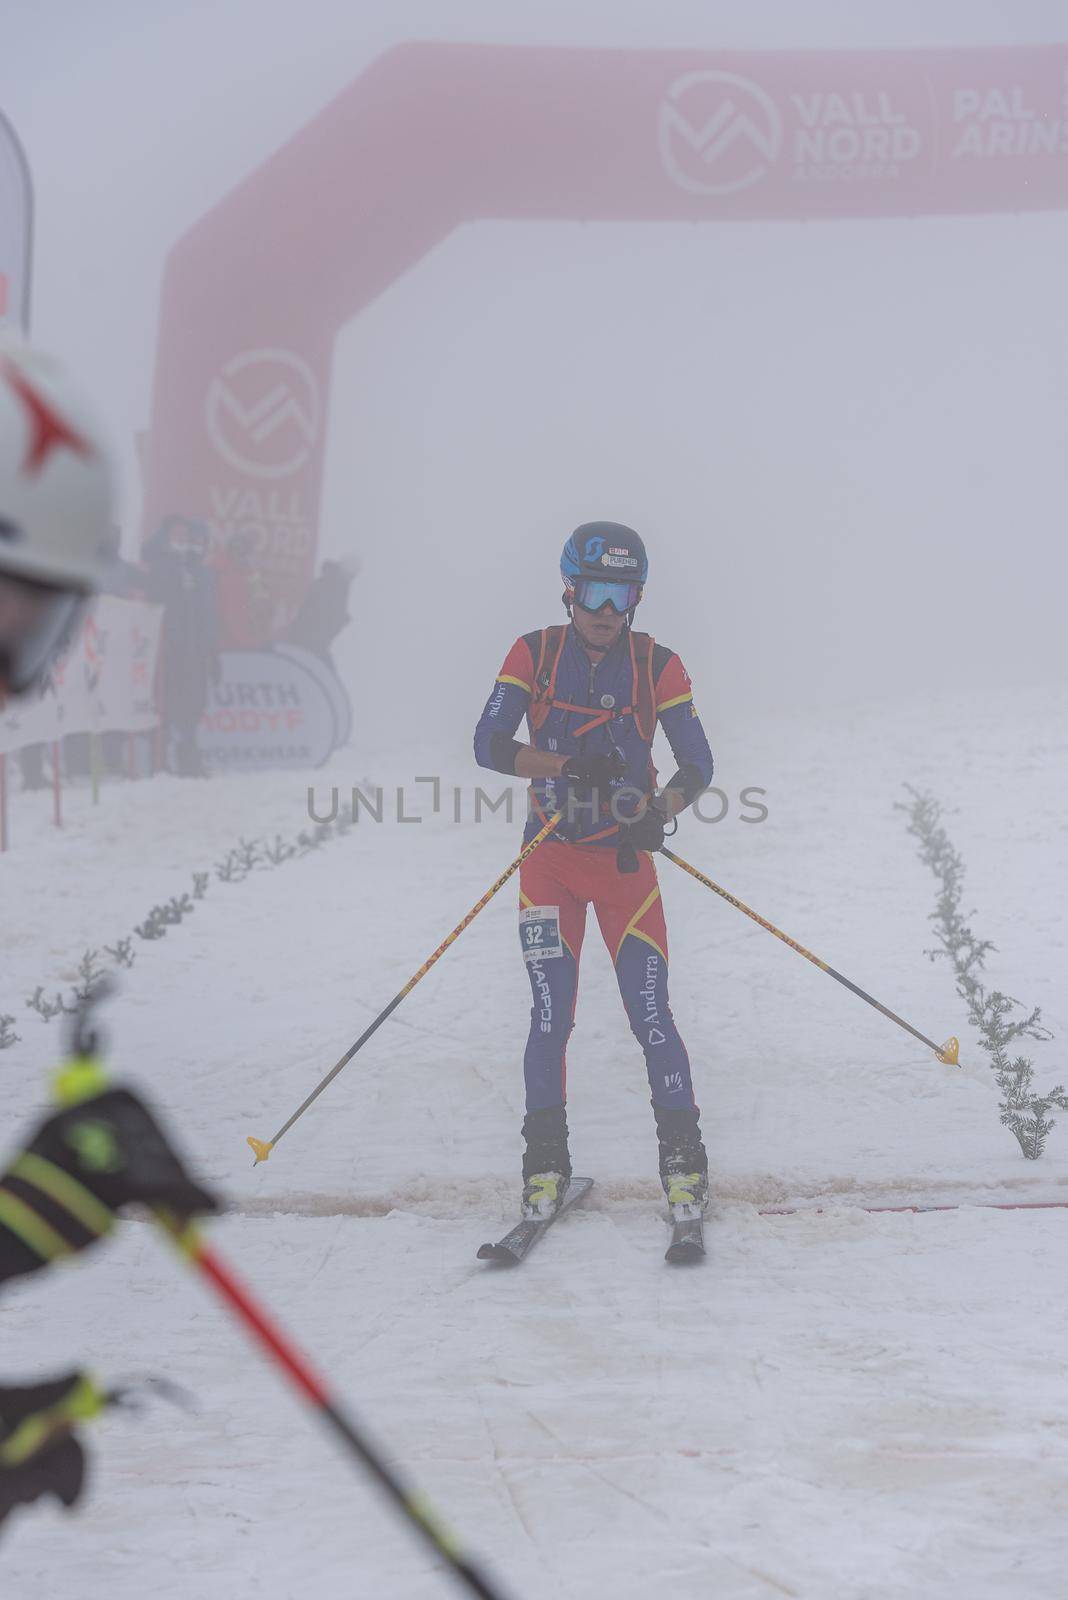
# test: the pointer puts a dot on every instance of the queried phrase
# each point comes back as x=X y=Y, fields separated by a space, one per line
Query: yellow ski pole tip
x=261 y=1148
x=949 y=1053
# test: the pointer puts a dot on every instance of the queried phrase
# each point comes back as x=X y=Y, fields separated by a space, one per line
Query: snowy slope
x=839 y=1405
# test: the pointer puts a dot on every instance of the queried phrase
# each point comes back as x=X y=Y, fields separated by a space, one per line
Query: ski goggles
x=591 y=594
x=34 y=618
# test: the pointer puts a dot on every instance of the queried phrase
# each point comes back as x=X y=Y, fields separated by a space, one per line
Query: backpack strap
x=549 y=653
x=643 y=694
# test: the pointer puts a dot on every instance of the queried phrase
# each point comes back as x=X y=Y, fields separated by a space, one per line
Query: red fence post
x=160 y=746
x=57 y=809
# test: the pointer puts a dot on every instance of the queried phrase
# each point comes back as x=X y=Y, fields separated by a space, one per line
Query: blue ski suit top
x=593 y=712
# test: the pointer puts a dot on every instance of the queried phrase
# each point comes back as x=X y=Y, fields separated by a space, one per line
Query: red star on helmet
x=48 y=430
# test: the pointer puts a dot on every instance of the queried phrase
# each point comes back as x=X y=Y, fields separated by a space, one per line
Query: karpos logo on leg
x=262 y=412
x=719 y=133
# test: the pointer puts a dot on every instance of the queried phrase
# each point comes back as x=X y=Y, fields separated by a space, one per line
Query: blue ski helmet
x=599 y=559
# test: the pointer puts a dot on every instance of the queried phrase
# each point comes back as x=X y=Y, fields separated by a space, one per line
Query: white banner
x=270 y=709
x=104 y=682
x=16 y=224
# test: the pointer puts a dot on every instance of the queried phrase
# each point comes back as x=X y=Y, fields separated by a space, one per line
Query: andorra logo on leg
x=262 y=412
x=718 y=133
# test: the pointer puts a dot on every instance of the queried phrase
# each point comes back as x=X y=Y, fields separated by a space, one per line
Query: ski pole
x=261 y=1148
x=413 y=1505
x=949 y=1053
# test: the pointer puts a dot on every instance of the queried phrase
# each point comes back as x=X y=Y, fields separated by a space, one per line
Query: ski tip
x=261 y=1148
x=684 y=1254
x=496 y=1252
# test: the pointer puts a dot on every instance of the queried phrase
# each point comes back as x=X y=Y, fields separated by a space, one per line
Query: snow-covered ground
x=841 y=1406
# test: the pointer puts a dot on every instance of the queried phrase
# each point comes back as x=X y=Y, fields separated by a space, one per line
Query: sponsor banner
x=104 y=681
x=262 y=420
x=871 y=134
x=257 y=435
x=16 y=228
x=336 y=692
x=269 y=709
x=126 y=633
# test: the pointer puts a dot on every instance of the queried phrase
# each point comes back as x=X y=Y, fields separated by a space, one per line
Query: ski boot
x=683 y=1161
x=687 y=1195
x=543 y=1195
x=546 y=1163
x=684 y=1175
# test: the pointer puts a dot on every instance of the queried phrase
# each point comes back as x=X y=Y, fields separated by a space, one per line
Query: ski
x=517 y=1243
x=687 y=1235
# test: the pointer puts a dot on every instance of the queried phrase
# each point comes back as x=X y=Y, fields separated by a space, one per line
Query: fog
x=844 y=445
x=842 y=441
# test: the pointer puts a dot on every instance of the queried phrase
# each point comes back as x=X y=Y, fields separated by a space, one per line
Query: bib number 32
x=539 y=933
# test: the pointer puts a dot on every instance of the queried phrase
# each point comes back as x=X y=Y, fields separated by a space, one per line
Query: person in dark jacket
x=179 y=579
x=324 y=610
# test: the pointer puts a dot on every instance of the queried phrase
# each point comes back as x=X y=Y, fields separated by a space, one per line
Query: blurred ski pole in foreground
x=101 y=1151
x=413 y=1505
x=949 y=1053
x=261 y=1148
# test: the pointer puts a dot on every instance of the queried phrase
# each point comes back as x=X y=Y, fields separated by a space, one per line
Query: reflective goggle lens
x=34 y=618
x=591 y=594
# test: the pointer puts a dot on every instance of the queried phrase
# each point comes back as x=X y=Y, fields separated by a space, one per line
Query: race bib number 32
x=539 y=932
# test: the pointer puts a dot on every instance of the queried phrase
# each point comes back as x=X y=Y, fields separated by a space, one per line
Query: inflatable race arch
x=435 y=135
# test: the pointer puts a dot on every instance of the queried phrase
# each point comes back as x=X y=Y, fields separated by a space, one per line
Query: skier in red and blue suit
x=593 y=692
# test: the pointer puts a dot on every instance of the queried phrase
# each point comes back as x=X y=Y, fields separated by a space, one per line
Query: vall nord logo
x=718 y=132
x=262 y=412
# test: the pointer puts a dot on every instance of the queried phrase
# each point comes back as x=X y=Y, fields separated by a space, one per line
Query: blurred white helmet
x=56 y=538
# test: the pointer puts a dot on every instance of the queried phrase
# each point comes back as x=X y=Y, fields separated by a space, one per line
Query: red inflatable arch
x=435 y=135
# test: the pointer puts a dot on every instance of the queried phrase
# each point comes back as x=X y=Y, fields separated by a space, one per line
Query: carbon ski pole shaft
x=949 y=1053
x=261 y=1148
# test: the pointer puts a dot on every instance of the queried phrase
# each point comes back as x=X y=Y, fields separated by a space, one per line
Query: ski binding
x=517 y=1243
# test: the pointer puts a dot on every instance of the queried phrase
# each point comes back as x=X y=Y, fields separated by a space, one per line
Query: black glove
x=83 y=1164
x=39 y=1451
x=594 y=772
x=647 y=833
